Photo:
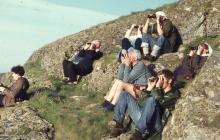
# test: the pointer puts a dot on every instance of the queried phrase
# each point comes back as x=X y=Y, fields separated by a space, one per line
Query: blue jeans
x=145 y=118
x=162 y=42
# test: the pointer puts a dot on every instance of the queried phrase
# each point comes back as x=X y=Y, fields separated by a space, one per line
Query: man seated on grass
x=132 y=76
x=160 y=95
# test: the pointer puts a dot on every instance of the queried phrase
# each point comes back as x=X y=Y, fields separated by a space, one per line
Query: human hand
x=124 y=52
x=200 y=50
x=160 y=81
x=125 y=60
x=2 y=89
x=192 y=52
x=133 y=25
x=151 y=85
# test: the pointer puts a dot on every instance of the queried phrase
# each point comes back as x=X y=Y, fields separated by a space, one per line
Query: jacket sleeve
x=81 y=53
x=98 y=55
x=130 y=75
x=14 y=89
x=198 y=62
x=157 y=94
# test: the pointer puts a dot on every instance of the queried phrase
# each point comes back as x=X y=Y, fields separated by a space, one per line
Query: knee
x=125 y=42
x=123 y=95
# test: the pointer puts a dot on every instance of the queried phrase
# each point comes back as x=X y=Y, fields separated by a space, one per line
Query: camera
x=152 y=16
x=136 y=26
x=152 y=79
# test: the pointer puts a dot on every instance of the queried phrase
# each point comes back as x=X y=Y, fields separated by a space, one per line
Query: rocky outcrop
x=21 y=122
x=197 y=113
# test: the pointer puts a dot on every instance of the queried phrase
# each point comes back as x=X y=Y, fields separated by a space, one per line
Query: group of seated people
x=134 y=80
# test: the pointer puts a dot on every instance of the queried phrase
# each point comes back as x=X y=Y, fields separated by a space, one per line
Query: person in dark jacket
x=17 y=90
x=166 y=36
x=193 y=62
x=88 y=54
x=160 y=95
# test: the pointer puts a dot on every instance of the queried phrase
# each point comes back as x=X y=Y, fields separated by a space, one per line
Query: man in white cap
x=165 y=40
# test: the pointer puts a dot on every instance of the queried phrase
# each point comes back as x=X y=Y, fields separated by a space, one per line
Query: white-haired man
x=165 y=40
x=132 y=77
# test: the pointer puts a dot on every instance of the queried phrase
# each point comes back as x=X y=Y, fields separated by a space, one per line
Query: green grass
x=34 y=68
x=72 y=119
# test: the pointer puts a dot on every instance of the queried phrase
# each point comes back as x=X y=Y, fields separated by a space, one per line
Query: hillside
x=74 y=111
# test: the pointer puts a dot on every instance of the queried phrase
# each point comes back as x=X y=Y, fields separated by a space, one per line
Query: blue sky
x=26 y=25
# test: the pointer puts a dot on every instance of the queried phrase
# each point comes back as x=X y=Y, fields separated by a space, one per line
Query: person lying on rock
x=17 y=90
x=193 y=62
x=89 y=53
x=165 y=40
x=132 y=76
x=160 y=96
x=131 y=41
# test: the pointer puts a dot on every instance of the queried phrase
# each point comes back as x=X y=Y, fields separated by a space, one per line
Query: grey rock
x=20 y=122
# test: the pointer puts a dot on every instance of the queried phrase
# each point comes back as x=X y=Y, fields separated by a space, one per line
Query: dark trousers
x=1 y=100
x=70 y=70
x=126 y=44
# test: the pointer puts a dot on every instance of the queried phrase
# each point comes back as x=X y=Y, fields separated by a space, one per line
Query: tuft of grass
x=34 y=68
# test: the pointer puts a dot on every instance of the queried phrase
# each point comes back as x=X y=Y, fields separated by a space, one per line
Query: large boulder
x=197 y=113
x=20 y=122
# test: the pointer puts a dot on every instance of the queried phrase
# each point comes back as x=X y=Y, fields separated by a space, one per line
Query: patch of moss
x=34 y=68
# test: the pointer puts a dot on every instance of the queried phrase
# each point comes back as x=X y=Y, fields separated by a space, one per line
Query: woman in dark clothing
x=16 y=91
x=193 y=62
x=88 y=54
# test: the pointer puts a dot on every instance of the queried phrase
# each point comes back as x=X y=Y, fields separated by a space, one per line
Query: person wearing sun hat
x=165 y=40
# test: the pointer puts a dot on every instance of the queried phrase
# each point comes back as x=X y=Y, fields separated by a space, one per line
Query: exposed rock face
x=2 y=77
x=21 y=122
x=197 y=114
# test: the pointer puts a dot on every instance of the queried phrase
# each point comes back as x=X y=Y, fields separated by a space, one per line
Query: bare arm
x=159 y=28
x=128 y=33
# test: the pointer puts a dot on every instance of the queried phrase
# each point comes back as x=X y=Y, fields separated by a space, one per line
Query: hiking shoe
x=105 y=103
x=69 y=82
x=117 y=130
x=109 y=107
x=137 y=135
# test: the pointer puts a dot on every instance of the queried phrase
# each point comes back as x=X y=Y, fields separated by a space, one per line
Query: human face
x=132 y=56
x=15 y=76
x=165 y=82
